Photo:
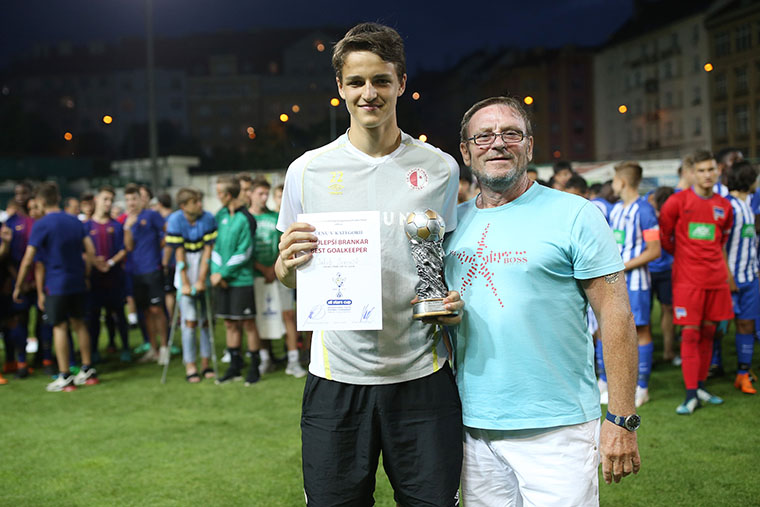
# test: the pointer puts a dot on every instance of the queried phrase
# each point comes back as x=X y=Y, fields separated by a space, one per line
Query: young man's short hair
x=661 y=195
x=145 y=187
x=165 y=200
x=230 y=185
x=86 y=196
x=279 y=187
x=578 y=183
x=131 y=188
x=696 y=157
x=631 y=171
x=48 y=193
x=510 y=102
x=244 y=176
x=741 y=176
x=107 y=188
x=723 y=154
x=561 y=165
x=379 y=39
x=260 y=182
x=186 y=194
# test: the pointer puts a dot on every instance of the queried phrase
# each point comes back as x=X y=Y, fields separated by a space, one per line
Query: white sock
x=293 y=356
x=264 y=354
x=132 y=319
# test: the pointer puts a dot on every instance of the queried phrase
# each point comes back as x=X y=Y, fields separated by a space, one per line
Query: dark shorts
x=169 y=280
x=59 y=309
x=148 y=289
x=98 y=298
x=235 y=303
x=662 y=286
x=416 y=425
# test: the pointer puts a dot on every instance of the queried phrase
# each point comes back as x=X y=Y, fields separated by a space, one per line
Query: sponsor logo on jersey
x=416 y=178
x=19 y=227
x=336 y=180
x=718 y=213
x=680 y=312
x=619 y=236
x=143 y=222
x=748 y=231
x=700 y=231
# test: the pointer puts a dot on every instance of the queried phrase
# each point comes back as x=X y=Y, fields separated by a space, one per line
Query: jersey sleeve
x=241 y=255
x=450 y=202
x=594 y=252
x=650 y=227
x=38 y=234
x=209 y=229
x=291 y=196
x=158 y=222
x=668 y=216
x=728 y=224
x=174 y=236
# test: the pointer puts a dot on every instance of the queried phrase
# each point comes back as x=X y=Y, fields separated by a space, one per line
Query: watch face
x=632 y=422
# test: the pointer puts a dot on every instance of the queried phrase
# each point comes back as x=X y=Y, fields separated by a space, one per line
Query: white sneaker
x=163 y=356
x=226 y=358
x=642 y=395
x=149 y=357
x=265 y=366
x=61 y=384
x=296 y=370
x=604 y=396
x=706 y=397
x=89 y=377
x=687 y=407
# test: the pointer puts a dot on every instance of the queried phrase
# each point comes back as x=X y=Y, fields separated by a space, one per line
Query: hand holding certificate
x=340 y=287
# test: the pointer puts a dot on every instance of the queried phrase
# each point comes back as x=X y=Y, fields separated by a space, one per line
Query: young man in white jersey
x=741 y=254
x=389 y=391
x=634 y=224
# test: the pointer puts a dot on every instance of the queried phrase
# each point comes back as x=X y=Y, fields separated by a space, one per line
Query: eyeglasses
x=507 y=137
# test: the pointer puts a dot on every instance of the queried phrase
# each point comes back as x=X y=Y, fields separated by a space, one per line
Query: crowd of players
x=716 y=253
x=68 y=269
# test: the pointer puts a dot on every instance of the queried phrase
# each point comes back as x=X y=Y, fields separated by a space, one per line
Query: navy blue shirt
x=147 y=231
x=58 y=237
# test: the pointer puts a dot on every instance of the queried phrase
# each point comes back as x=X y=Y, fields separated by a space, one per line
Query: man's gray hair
x=505 y=101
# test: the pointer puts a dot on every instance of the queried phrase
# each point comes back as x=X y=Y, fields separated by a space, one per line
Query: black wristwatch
x=630 y=422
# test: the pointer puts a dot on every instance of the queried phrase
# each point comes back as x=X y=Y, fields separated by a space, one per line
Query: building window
x=743 y=37
x=697 y=64
x=741 y=115
x=722 y=44
x=669 y=129
x=698 y=126
x=741 y=80
x=721 y=124
x=668 y=102
x=695 y=34
x=667 y=70
x=697 y=96
x=720 y=86
x=674 y=40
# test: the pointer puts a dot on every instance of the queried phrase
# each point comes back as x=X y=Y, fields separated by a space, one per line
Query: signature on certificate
x=366 y=313
x=317 y=313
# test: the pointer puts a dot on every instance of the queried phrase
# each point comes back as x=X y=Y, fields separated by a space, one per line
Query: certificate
x=340 y=287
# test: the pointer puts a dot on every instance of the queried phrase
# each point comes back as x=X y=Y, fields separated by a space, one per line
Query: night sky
x=436 y=33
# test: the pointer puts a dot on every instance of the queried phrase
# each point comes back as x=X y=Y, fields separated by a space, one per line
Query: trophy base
x=430 y=308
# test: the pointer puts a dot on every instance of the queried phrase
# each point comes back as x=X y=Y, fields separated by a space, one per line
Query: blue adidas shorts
x=747 y=300
x=641 y=306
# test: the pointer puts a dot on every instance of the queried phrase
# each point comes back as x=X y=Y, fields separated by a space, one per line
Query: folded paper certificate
x=340 y=287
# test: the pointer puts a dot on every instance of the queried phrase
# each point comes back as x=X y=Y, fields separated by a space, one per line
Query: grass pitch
x=133 y=441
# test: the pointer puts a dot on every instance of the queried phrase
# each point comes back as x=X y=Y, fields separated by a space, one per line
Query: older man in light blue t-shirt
x=528 y=260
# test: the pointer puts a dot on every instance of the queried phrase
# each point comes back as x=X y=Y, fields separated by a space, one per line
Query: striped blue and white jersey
x=631 y=224
x=741 y=248
x=720 y=189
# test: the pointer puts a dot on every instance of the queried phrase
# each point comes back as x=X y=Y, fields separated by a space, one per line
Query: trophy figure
x=425 y=229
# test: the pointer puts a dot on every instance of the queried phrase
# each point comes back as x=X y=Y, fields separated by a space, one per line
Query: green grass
x=133 y=441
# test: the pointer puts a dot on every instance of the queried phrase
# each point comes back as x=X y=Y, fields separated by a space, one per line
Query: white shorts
x=547 y=467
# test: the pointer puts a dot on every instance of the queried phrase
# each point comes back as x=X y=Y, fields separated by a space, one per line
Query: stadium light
x=423 y=138
x=284 y=118
x=67 y=136
x=708 y=67
x=622 y=109
x=107 y=119
x=528 y=100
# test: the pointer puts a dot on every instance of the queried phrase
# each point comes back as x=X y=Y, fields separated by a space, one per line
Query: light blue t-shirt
x=524 y=356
